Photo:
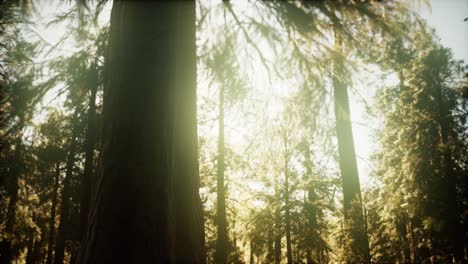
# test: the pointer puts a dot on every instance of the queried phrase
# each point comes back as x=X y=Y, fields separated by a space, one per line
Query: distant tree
x=418 y=158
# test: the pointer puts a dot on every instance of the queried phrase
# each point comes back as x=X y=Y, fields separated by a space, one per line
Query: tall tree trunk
x=311 y=213
x=90 y=142
x=147 y=205
x=30 y=255
x=251 y=259
x=30 y=244
x=415 y=239
x=30 y=252
x=312 y=224
x=6 y=254
x=63 y=229
x=352 y=201
x=270 y=254
x=53 y=213
x=287 y=217
x=38 y=245
x=277 y=225
x=401 y=228
x=221 y=221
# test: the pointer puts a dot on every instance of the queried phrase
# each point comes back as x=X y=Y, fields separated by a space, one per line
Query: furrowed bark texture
x=147 y=207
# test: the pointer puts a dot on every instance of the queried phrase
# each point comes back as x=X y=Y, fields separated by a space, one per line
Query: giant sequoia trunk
x=147 y=207
x=221 y=221
x=352 y=202
x=64 y=225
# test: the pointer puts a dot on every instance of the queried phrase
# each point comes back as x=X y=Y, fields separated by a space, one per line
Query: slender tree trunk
x=410 y=236
x=311 y=213
x=251 y=261
x=414 y=222
x=63 y=229
x=312 y=221
x=90 y=143
x=221 y=221
x=147 y=208
x=6 y=255
x=407 y=251
x=31 y=244
x=402 y=231
x=287 y=217
x=270 y=253
x=36 y=250
x=352 y=201
x=52 y=214
x=30 y=255
x=277 y=225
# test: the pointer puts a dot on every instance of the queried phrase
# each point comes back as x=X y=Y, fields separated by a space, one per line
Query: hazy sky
x=447 y=18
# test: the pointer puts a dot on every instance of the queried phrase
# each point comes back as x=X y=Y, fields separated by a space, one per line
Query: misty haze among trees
x=230 y=131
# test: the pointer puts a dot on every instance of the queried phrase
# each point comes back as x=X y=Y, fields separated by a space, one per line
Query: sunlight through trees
x=230 y=131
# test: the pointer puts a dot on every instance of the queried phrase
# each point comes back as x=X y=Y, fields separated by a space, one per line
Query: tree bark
x=287 y=217
x=52 y=214
x=32 y=245
x=63 y=229
x=147 y=207
x=30 y=251
x=352 y=201
x=251 y=258
x=312 y=224
x=277 y=225
x=221 y=221
x=270 y=253
x=90 y=143
x=311 y=213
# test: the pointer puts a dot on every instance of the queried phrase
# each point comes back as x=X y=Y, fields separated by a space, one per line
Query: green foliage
x=417 y=159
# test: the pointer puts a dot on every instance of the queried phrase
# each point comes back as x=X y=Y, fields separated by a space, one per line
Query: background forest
x=230 y=131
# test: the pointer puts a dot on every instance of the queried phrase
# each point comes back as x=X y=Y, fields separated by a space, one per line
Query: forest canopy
x=230 y=131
